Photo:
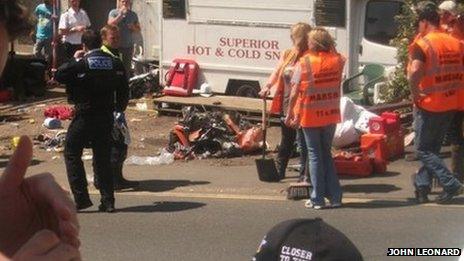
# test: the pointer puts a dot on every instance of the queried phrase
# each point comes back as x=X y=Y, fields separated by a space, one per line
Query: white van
x=237 y=43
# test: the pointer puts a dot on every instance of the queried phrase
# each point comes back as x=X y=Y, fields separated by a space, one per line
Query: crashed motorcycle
x=147 y=81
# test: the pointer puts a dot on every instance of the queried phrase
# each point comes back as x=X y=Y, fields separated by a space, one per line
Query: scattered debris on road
x=213 y=134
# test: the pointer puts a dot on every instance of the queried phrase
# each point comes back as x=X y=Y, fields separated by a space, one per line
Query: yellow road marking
x=346 y=200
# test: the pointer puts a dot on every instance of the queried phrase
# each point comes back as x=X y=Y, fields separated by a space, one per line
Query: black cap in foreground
x=306 y=239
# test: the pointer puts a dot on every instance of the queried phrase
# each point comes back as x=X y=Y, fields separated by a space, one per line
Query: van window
x=380 y=25
x=330 y=13
x=174 y=9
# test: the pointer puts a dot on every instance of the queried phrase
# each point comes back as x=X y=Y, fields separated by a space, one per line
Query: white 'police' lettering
x=100 y=63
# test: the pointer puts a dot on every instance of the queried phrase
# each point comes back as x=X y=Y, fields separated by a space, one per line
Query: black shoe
x=80 y=205
x=125 y=184
x=421 y=196
x=421 y=193
x=109 y=208
x=461 y=178
x=446 y=196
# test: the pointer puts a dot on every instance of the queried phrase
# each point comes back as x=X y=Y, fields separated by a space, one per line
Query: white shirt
x=70 y=19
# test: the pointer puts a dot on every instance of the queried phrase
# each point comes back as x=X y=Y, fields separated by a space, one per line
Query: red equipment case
x=353 y=166
x=388 y=122
x=375 y=146
x=181 y=77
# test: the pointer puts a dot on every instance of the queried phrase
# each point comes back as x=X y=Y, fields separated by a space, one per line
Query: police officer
x=97 y=84
x=435 y=74
x=110 y=43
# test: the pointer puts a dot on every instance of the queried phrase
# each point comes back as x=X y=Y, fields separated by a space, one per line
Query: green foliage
x=399 y=88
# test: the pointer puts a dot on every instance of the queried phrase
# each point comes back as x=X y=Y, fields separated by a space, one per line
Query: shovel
x=266 y=167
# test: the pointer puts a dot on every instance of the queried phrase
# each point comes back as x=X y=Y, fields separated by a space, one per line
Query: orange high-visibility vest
x=319 y=90
x=289 y=55
x=444 y=72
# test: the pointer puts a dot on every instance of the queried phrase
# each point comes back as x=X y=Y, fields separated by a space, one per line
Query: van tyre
x=247 y=91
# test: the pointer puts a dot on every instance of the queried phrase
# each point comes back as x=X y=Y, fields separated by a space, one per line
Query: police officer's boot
x=119 y=181
x=457 y=161
x=107 y=206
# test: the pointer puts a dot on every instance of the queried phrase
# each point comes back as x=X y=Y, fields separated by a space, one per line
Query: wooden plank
x=251 y=118
x=389 y=107
x=219 y=101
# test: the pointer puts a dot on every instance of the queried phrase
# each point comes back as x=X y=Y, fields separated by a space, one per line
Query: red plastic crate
x=380 y=166
x=356 y=166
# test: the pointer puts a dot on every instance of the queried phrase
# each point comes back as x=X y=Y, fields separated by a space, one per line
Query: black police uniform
x=98 y=86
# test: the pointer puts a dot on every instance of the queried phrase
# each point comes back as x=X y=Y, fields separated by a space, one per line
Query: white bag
x=349 y=110
x=362 y=124
x=345 y=134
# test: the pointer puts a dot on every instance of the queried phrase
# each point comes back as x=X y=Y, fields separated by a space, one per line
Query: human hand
x=264 y=92
x=417 y=95
x=295 y=122
x=79 y=28
x=45 y=245
x=79 y=54
x=32 y=204
x=288 y=120
x=123 y=11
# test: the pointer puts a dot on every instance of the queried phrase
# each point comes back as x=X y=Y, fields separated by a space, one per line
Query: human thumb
x=14 y=173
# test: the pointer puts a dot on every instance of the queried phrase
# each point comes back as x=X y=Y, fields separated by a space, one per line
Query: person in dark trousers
x=110 y=38
x=97 y=84
x=128 y=23
x=72 y=24
x=436 y=100
x=280 y=80
x=455 y=132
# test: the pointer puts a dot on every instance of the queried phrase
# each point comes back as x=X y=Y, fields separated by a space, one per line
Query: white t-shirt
x=70 y=19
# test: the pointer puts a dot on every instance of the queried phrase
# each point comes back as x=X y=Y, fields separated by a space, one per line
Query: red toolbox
x=388 y=122
x=356 y=166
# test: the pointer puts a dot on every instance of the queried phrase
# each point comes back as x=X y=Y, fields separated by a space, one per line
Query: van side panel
x=237 y=39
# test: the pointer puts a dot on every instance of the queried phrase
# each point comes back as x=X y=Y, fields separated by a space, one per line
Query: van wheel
x=247 y=91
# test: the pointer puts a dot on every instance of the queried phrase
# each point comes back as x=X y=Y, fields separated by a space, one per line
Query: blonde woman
x=280 y=80
x=315 y=107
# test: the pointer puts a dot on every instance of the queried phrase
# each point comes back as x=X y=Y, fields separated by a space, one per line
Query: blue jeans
x=43 y=49
x=303 y=155
x=431 y=128
x=321 y=166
